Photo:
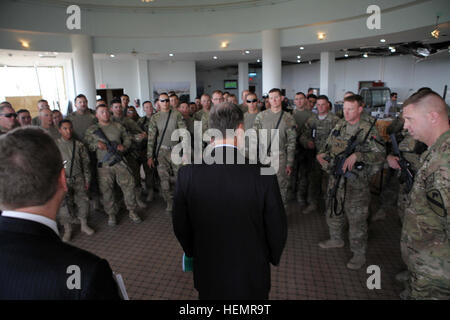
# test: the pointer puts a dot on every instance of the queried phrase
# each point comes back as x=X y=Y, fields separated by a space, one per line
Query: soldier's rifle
x=338 y=171
x=407 y=174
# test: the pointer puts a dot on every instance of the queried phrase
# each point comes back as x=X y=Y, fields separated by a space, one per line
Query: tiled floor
x=149 y=258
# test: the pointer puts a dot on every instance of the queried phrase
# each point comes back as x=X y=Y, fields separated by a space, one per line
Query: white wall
x=173 y=71
x=117 y=74
x=212 y=80
x=401 y=73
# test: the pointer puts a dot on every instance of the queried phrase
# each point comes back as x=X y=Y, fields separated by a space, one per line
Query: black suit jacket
x=231 y=220
x=34 y=263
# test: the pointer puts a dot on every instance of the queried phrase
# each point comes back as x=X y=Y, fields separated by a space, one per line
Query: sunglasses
x=164 y=100
x=9 y=115
x=252 y=101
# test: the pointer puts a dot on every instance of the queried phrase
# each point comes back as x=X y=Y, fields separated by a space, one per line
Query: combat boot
x=67 y=232
x=150 y=195
x=310 y=209
x=356 y=262
x=85 y=228
x=402 y=276
x=112 y=220
x=134 y=217
x=332 y=243
x=169 y=206
x=140 y=203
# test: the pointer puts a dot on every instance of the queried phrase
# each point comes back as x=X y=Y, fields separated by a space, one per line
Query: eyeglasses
x=164 y=100
x=9 y=115
x=252 y=101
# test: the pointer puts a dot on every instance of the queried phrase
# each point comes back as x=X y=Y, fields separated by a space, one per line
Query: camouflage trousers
x=151 y=178
x=298 y=183
x=318 y=181
x=76 y=204
x=119 y=173
x=429 y=272
x=283 y=178
x=352 y=203
x=390 y=192
x=166 y=168
x=403 y=202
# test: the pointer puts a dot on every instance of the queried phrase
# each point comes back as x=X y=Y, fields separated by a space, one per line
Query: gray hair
x=225 y=115
x=30 y=165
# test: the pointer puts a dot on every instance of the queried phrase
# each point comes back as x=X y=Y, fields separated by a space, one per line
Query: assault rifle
x=406 y=175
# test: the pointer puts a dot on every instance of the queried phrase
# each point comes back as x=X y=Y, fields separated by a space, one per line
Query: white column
x=327 y=85
x=143 y=84
x=83 y=67
x=243 y=78
x=271 y=60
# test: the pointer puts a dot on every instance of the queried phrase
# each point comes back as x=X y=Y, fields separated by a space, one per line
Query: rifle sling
x=276 y=127
x=162 y=136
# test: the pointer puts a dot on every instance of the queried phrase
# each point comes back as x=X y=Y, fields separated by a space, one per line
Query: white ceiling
x=205 y=60
x=163 y=5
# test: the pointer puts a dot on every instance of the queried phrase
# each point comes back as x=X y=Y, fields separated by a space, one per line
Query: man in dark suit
x=239 y=228
x=34 y=262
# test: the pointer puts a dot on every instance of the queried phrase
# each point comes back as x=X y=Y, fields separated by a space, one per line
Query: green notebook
x=188 y=263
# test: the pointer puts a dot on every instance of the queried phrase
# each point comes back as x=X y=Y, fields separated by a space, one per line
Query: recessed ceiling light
x=383 y=40
x=111 y=55
x=346 y=55
x=215 y=58
x=224 y=44
x=247 y=52
x=259 y=60
x=298 y=57
x=298 y=61
x=301 y=48
x=365 y=55
x=170 y=54
x=321 y=35
x=25 y=44
x=392 y=49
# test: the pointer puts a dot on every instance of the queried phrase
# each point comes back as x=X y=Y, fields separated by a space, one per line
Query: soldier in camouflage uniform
x=75 y=208
x=351 y=199
x=425 y=241
x=287 y=136
x=250 y=116
x=150 y=173
x=41 y=105
x=132 y=155
x=7 y=118
x=81 y=120
x=205 y=101
x=317 y=129
x=109 y=169
x=47 y=124
x=165 y=166
x=303 y=157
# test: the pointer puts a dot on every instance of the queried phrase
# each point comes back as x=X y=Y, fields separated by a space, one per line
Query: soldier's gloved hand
x=288 y=170
x=349 y=163
x=120 y=148
x=101 y=145
x=151 y=163
x=393 y=162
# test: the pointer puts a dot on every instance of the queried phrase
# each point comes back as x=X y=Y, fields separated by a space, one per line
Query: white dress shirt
x=32 y=217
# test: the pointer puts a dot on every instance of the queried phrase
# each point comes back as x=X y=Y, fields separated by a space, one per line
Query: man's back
x=34 y=265
x=231 y=219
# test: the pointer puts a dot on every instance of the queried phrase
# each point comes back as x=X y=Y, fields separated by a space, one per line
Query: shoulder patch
x=436 y=202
